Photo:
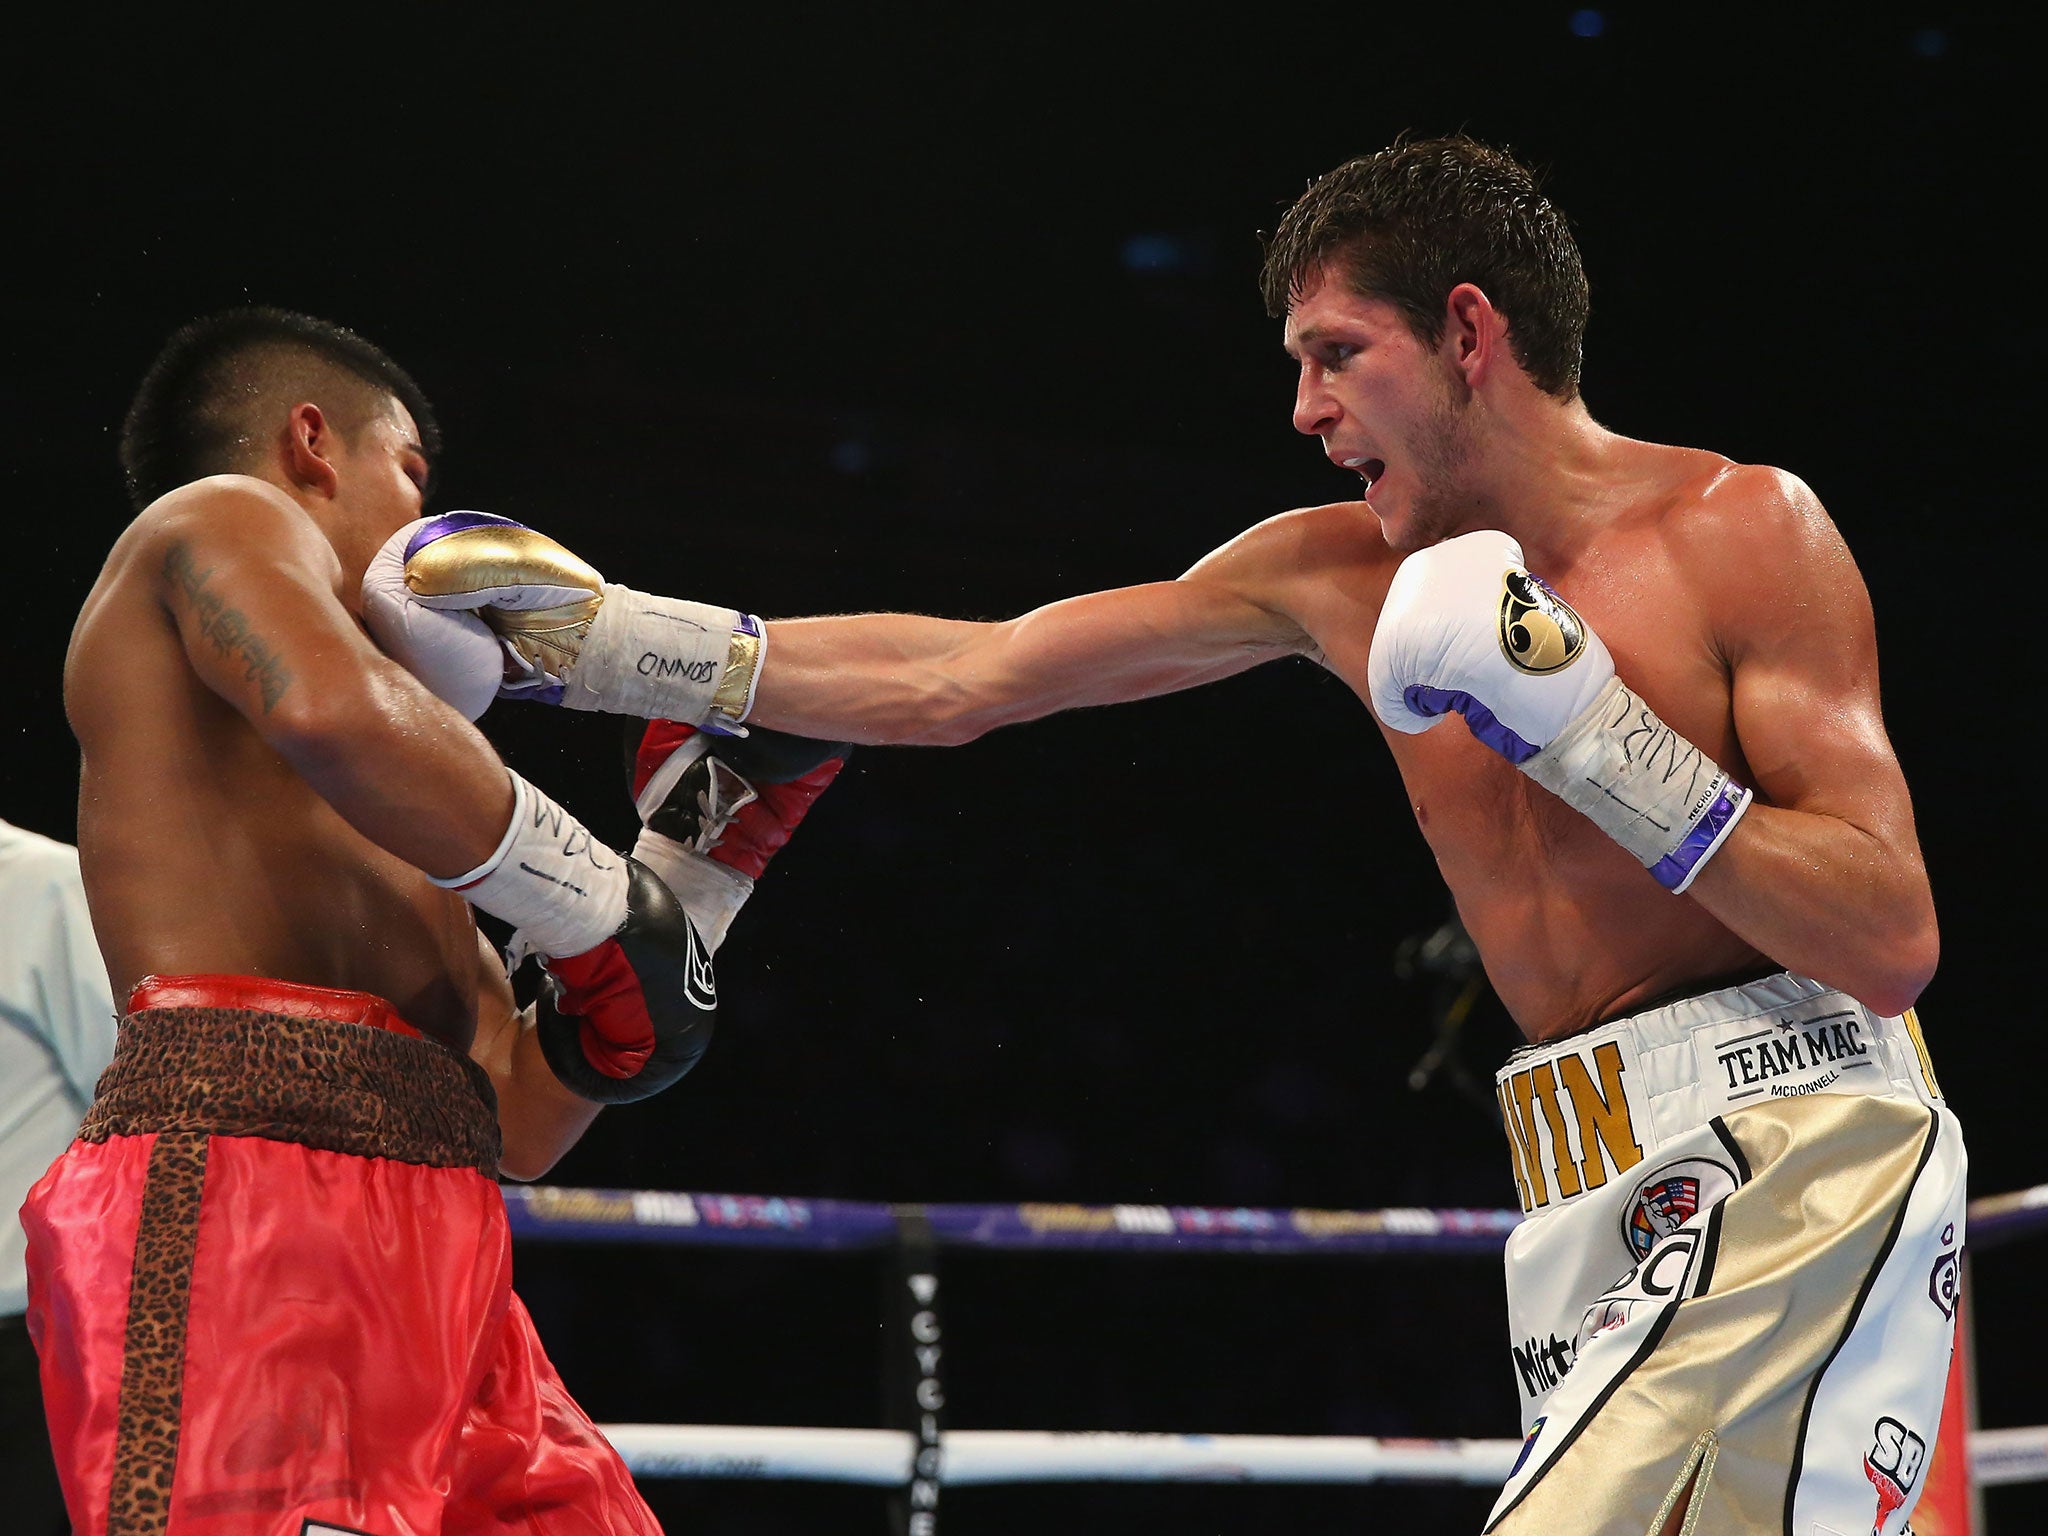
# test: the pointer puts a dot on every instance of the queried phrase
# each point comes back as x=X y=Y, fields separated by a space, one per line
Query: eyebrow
x=1309 y=337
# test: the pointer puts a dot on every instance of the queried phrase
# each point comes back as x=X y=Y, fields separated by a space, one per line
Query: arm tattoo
x=227 y=628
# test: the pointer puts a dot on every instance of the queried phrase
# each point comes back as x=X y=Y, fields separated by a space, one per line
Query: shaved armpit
x=227 y=628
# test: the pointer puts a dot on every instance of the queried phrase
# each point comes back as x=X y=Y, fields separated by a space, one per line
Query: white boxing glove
x=1467 y=629
x=453 y=652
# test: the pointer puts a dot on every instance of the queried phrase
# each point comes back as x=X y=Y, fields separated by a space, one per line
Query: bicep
x=1803 y=652
x=257 y=615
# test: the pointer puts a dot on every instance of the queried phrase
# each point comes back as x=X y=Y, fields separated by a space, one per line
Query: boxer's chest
x=1476 y=809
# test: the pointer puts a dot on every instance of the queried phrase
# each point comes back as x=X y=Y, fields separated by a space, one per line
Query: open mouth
x=1367 y=469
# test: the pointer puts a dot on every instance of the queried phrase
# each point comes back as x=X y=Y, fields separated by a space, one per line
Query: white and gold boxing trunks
x=1738 y=1270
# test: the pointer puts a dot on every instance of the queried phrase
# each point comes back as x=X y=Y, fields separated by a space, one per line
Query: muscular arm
x=250 y=585
x=1826 y=878
x=538 y=1118
x=901 y=678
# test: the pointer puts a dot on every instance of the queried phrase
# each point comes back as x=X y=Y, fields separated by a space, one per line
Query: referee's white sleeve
x=53 y=984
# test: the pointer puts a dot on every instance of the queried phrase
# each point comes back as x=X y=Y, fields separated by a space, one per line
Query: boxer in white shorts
x=1746 y=1212
x=1678 y=779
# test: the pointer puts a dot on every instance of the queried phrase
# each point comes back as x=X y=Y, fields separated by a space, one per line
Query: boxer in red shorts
x=270 y=1283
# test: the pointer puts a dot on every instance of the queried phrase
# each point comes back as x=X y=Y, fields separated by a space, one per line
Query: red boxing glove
x=733 y=799
x=715 y=809
x=627 y=1018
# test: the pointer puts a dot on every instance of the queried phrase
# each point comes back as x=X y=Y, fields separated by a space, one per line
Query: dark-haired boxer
x=269 y=1284
x=1673 y=823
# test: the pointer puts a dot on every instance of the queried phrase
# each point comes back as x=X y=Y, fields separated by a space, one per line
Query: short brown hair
x=1410 y=223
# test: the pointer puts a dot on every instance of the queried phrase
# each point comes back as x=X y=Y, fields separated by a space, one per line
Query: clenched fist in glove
x=480 y=607
x=1468 y=630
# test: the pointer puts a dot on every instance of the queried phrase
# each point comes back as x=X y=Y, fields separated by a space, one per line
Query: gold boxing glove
x=568 y=636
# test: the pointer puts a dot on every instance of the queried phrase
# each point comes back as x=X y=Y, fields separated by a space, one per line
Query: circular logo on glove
x=1539 y=631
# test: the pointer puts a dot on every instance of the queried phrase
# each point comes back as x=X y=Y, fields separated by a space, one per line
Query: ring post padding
x=915 y=1396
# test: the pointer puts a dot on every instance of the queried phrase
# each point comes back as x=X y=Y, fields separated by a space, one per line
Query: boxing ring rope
x=900 y=1458
x=883 y=1457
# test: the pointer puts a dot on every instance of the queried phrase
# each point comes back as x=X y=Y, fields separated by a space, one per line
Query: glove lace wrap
x=1643 y=784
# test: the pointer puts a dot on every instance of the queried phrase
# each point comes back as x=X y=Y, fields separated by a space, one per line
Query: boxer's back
x=203 y=850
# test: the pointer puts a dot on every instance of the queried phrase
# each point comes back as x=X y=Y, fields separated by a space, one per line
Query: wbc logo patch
x=1671 y=1197
x=1539 y=631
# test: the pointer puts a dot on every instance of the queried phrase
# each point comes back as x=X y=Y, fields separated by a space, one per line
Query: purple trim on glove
x=1676 y=867
x=1425 y=700
x=535 y=692
x=453 y=522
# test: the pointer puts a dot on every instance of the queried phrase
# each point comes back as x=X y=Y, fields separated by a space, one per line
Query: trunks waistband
x=264 y=994
x=287 y=1073
x=1592 y=1105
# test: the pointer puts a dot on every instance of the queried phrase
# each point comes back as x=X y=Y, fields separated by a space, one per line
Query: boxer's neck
x=1541 y=469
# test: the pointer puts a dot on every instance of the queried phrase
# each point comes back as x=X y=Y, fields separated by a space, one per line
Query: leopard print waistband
x=332 y=1086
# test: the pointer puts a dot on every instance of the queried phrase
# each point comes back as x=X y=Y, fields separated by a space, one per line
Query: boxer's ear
x=309 y=449
x=1474 y=333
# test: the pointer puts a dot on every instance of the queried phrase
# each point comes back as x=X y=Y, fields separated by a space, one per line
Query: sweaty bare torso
x=1570 y=927
x=203 y=851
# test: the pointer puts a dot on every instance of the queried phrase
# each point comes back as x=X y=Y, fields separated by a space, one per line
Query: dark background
x=919 y=308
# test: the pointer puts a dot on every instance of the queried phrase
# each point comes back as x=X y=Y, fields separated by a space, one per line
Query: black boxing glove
x=624 y=1020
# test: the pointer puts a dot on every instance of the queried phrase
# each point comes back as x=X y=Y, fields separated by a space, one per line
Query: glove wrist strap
x=1643 y=784
x=562 y=889
x=667 y=658
x=709 y=892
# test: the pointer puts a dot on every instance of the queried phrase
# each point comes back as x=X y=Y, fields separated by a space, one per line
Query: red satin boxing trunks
x=270 y=1286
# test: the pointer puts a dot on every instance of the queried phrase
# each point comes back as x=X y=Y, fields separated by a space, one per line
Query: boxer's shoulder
x=226 y=507
x=185 y=534
x=179 y=540
x=1755 y=528
x=1701 y=500
x=1339 y=542
x=1336 y=533
x=1325 y=569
